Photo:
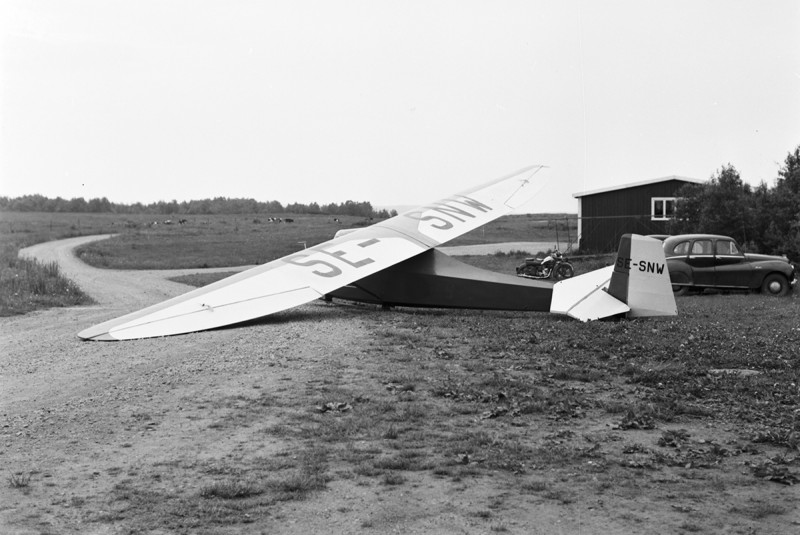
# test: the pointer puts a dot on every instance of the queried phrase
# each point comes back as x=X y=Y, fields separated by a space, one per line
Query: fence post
x=569 y=235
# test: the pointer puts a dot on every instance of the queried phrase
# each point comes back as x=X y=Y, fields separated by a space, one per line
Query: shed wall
x=606 y=216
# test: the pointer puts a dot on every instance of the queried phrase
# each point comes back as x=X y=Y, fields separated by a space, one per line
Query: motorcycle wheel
x=564 y=271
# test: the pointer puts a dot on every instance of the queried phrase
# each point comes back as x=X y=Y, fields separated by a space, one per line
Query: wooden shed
x=645 y=207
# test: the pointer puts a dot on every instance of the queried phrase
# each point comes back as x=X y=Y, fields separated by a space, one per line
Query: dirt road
x=114 y=289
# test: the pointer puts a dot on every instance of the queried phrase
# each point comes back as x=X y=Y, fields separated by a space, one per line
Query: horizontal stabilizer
x=585 y=298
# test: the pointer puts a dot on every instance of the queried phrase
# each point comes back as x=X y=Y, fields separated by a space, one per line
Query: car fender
x=759 y=273
x=676 y=266
x=762 y=269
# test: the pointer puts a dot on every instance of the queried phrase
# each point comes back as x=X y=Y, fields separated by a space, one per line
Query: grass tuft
x=393 y=478
x=231 y=490
x=19 y=480
x=298 y=485
x=760 y=510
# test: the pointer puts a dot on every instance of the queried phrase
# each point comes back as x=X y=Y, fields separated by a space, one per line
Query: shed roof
x=641 y=183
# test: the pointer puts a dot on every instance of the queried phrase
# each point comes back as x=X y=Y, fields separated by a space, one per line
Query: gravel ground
x=79 y=415
x=116 y=437
x=85 y=419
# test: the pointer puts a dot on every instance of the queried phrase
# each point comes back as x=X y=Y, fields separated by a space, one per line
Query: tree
x=99 y=205
x=728 y=209
x=721 y=206
x=688 y=210
x=765 y=219
x=789 y=175
x=76 y=204
x=782 y=205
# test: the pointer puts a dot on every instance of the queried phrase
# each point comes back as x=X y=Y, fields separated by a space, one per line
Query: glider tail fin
x=641 y=278
x=638 y=285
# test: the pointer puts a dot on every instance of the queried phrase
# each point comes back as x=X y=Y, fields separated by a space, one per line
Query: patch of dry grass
x=27 y=284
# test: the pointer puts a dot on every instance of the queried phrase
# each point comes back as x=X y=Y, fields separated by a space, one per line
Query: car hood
x=764 y=257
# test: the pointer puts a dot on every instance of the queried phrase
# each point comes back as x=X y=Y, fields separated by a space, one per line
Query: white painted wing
x=314 y=272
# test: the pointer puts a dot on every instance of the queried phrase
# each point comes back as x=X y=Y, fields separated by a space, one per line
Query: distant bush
x=217 y=205
x=513 y=254
x=27 y=284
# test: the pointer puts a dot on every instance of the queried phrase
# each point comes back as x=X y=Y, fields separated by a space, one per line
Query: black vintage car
x=699 y=261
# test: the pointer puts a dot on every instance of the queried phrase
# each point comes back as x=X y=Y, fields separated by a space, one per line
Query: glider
x=394 y=263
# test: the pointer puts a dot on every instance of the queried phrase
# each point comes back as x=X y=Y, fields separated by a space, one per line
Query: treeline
x=218 y=205
x=765 y=219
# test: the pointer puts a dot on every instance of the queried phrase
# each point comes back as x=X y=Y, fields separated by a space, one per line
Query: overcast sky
x=392 y=102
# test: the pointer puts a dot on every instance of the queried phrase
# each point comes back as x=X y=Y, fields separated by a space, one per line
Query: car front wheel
x=775 y=284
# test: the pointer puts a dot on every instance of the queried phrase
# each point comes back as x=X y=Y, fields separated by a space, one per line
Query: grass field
x=218 y=241
x=224 y=241
x=27 y=285
x=202 y=242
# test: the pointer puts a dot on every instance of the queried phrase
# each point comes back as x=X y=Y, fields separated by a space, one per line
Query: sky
x=392 y=102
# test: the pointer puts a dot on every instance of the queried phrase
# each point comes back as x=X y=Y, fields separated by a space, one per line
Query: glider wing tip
x=96 y=336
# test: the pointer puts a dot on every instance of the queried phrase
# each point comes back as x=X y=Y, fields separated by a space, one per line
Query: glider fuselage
x=434 y=279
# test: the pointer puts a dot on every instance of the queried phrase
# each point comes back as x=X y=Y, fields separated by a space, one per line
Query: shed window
x=662 y=208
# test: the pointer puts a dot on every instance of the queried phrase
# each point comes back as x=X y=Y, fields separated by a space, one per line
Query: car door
x=731 y=268
x=701 y=258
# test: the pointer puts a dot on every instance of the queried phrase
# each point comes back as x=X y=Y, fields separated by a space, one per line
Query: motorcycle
x=553 y=266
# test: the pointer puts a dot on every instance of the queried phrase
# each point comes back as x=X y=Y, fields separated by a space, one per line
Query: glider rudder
x=641 y=278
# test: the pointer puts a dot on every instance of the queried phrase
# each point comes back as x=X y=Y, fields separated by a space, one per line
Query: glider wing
x=302 y=277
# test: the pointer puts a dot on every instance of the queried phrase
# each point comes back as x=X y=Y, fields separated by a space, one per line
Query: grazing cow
x=288 y=220
x=337 y=220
